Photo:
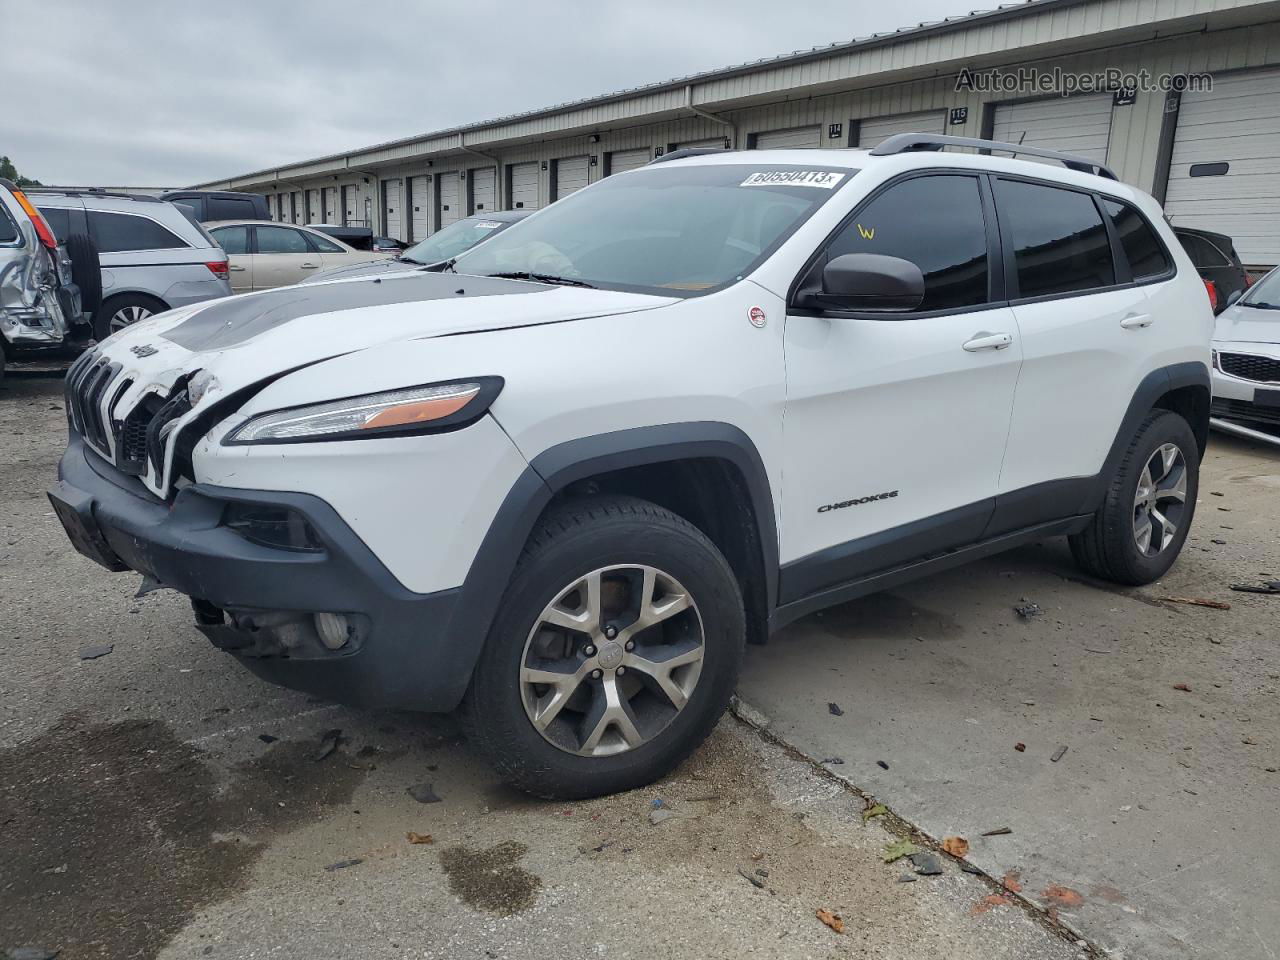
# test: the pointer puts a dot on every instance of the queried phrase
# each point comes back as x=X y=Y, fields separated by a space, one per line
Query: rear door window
x=281 y=240
x=234 y=240
x=8 y=229
x=1146 y=254
x=1203 y=253
x=59 y=220
x=1060 y=244
x=123 y=232
x=229 y=208
x=324 y=244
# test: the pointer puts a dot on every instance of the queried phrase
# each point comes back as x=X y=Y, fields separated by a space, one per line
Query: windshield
x=454 y=239
x=678 y=230
x=1265 y=293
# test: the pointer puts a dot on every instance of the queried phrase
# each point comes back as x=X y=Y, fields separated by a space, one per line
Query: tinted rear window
x=223 y=208
x=1146 y=254
x=1202 y=252
x=1059 y=241
x=122 y=232
x=59 y=221
x=8 y=229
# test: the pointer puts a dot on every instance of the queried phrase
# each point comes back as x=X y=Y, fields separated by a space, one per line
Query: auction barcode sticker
x=822 y=179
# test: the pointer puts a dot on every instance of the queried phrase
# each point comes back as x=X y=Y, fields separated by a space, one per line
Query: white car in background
x=1246 y=363
x=267 y=255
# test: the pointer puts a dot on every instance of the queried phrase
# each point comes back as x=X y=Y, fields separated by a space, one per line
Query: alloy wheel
x=127 y=316
x=612 y=660
x=1160 y=500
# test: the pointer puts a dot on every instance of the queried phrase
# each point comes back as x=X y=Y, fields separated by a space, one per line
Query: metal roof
x=798 y=56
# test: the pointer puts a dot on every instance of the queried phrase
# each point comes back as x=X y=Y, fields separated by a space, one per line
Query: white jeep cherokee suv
x=563 y=483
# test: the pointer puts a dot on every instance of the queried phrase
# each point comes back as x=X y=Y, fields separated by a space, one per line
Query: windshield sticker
x=487 y=225
x=822 y=179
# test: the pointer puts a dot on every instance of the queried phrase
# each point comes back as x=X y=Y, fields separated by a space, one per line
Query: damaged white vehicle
x=46 y=287
x=1246 y=363
x=562 y=482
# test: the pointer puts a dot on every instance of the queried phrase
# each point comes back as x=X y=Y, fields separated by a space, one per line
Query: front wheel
x=615 y=651
x=1139 y=530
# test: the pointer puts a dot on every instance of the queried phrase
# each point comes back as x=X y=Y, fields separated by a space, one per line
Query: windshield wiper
x=542 y=278
x=1262 y=306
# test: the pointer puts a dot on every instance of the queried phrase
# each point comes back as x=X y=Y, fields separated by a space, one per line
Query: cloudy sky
x=148 y=93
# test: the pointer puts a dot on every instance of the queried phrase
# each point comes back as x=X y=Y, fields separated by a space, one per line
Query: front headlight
x=427 y=409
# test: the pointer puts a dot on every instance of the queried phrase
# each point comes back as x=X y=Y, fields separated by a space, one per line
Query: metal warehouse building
x=1211 y=155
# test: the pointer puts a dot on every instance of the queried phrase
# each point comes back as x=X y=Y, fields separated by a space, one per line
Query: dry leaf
x=1182 y=686
x=1063 y=897
x=1012 y=881
x=899 y=849
x=989 y=902
x=418 y=837
x=879 y=810
x=832 y=920
x=956 y=846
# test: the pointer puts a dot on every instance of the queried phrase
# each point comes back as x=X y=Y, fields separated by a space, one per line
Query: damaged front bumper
x=277 y=579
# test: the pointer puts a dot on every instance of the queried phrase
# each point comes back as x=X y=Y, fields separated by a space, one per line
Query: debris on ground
x=343 y=864
x=879 y=810
x=835 y=710
x=267 y=738
x=1221 y=543
x=96 y=651
x=832 y=920
x=1012 y=881
x=1183 y=687
x=958 y=847
x=1063 y=897
x=1270 y=587
x=1058 y=754
x=30 y=953
x=882 y=765
x=1026 y=610
x=1020 y=747
x=419 y=837
x=998 y=832
x=833 y=760
x=990 y=902
x=926 y=864
x=754 y=881
x=908 y=878
x=968 y=867
x=662 y=815
x=423 y=793
x=328 y=743
x=1199 y=602
x=899 y=849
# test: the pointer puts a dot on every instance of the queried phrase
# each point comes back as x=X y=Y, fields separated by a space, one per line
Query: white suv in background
x=154 y=256
x=563 y=484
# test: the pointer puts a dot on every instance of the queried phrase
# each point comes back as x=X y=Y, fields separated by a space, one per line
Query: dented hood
x=242 y=340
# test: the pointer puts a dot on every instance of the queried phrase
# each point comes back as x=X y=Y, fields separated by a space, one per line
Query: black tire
x=1108 y=548
x=125 y=301
x=86 y=271
x=568 y=544
x=3 y=350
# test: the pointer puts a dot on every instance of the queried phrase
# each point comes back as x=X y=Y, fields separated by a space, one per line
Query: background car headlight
x=426 y=409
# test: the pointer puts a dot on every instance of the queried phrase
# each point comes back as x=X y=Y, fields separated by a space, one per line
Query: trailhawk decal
x=889 y=495
x=822 y=179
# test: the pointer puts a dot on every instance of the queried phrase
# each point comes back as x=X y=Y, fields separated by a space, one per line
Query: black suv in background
x=212 y=205
x=1215 y=259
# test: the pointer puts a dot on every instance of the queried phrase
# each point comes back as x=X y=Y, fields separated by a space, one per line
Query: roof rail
x=687 y=152
x=93 y=192
x=909 y=142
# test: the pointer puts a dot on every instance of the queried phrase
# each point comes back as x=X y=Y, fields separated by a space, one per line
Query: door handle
x=1136 y=321
x=236 y=269
x=988 y=341
x=309 y=266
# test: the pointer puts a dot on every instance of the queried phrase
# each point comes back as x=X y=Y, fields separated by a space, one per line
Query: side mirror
x=869 y=281
x=1234 y=296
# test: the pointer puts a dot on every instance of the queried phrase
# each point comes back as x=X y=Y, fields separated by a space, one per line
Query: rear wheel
x=1137 y=534
x=615 y=651
x=122 y=311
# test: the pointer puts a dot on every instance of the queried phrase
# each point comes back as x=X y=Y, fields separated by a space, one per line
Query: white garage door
x=417 y=202
x=392 y=211
x=296 y=208
x=1225 y=171
x=1079 y=125
x=789 y=139
x=875 y=129
x=524 y=186
x=570 y=176
x=449 y=198
x=483 y=194
x=711 y=143
x=330 y=212
x=622 y=160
